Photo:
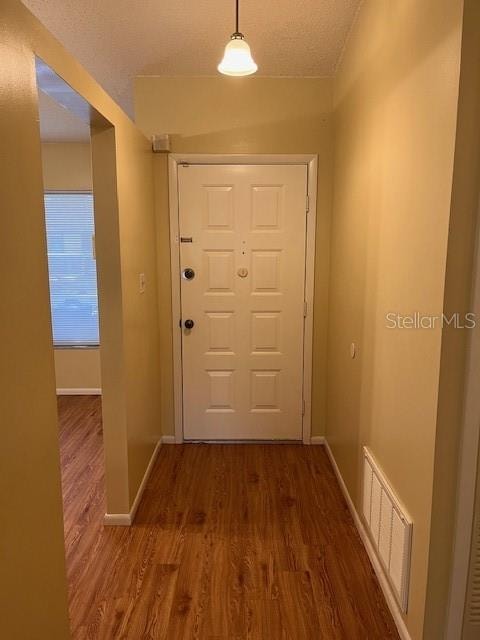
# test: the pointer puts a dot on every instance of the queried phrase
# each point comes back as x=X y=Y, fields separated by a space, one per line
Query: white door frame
x=311 y=162
x=467 y=465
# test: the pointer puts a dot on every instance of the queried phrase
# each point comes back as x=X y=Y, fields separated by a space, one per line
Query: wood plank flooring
x=231 y=542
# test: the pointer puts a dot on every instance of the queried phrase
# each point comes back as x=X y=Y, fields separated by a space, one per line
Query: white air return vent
x=390 y=528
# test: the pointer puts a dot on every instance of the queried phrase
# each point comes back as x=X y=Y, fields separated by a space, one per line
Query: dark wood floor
x=231 y=542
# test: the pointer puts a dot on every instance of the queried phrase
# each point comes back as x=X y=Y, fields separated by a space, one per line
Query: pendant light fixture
x=237 y=59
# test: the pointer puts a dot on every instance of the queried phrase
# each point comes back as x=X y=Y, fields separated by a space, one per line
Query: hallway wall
x=395 y=123
x=32 y=577
x=241 y=115
x=67 y=166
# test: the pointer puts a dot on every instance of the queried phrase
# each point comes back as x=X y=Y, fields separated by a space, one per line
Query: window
x=72 y=269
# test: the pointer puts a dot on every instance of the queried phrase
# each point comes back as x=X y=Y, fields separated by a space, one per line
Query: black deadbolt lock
x=188 y=273
x=189 y=324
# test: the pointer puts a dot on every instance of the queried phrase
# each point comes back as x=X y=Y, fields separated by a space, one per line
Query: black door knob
x=188 y=273
x=189 y=324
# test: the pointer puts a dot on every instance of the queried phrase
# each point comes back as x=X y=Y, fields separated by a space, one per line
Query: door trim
x=311 y=162
x=467 y=474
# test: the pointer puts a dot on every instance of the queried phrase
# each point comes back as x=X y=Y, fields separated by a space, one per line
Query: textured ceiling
x=58 y=124
x=116 y=40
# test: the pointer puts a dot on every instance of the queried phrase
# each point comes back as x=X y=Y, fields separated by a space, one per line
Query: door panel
x=243 y=359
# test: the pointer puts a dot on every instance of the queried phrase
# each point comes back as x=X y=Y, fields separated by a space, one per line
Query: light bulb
x=237 y=59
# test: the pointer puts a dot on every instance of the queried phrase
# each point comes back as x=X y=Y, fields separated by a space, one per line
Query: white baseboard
x=117 y=519
x=317 y=440
x=382 y=579
x=168 y=439
x=126 y=519
x=79 y=392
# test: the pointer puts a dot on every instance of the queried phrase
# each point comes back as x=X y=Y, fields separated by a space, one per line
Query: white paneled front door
x=242 y=269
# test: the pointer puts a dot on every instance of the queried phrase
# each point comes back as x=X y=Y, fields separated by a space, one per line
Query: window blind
x=72 y=269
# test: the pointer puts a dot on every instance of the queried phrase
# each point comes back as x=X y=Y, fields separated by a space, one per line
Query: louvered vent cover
x=390 y=528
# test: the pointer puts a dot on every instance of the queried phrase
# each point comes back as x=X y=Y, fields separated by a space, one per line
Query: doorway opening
x=65 y=127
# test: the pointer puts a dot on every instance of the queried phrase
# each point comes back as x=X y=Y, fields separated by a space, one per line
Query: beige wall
x=141 y=328
x=67 y=167
x=395 y=117
x=242 y=115
x=77 y=369
x=32 y=579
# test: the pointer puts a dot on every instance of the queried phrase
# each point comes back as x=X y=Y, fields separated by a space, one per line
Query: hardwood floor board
x=230 y=542
x=329 y=615
x=298 y=609
x=170 y=547
x=265 y=621
x=149 y=622
x=361 y=587
x=101 y=572
x=190 y=595
x=155 y=617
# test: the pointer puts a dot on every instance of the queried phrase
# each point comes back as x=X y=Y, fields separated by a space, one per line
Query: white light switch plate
x=141 y=282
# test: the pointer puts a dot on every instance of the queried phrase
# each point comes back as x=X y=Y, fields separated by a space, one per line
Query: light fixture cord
x=236 y=17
